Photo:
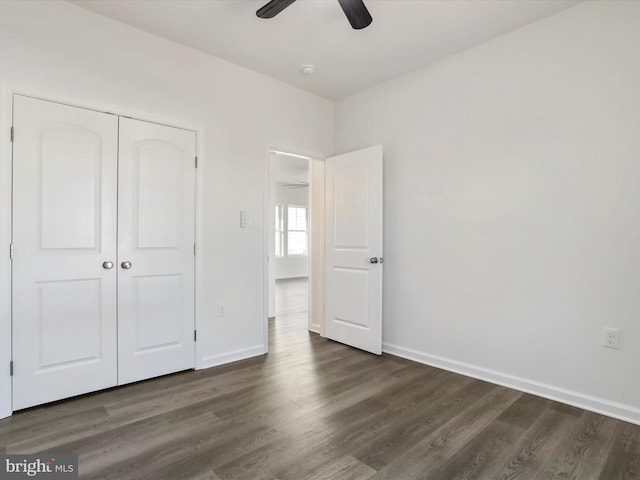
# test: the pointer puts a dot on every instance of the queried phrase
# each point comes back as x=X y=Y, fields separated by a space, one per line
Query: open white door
x=64 y=238
x=353 y=244
x=156 y=205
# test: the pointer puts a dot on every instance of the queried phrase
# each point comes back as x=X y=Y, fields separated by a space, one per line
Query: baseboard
x=587 y=402
x=228 y=357
x=315 y=328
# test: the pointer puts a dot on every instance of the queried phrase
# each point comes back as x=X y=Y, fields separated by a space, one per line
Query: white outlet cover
x=610 y=337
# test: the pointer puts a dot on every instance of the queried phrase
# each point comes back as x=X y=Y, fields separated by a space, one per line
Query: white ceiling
x=405 y=34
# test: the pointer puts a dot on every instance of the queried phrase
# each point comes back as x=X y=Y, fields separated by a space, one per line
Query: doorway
x=344 y=224
x=289 y=246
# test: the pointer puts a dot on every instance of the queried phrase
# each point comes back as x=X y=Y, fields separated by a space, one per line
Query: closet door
x=155 y=250
x=64 y=235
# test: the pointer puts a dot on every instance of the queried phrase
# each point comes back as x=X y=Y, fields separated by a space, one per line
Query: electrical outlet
x=222 y=311
x=610 y=337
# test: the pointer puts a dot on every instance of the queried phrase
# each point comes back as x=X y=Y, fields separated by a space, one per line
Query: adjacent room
x=320 y=239
x=289 y=254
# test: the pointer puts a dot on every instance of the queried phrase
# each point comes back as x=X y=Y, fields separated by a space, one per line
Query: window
x=296 y=230
x=293 y=221
x=279 y=231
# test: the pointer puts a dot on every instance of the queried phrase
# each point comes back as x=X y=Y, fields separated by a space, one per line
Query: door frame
x=7 y=92
x=315 y=260
x=6 y=209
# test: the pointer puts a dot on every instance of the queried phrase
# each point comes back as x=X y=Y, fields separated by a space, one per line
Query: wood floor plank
x=585 y=450
x=474 y=459
x=347 y=468
x=313 y=409
x=434 y=450
x=391 y=439
x=623 y=462
x=304 y=433
x=524 y=411
x=343 y=429
x=103 y=455
x=504 y=452
x=205 y=476
x=20 y=434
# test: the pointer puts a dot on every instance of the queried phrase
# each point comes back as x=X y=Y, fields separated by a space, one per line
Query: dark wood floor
x=315 y=409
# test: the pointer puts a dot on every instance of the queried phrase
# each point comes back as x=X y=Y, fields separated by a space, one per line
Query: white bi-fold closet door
x=103 y=250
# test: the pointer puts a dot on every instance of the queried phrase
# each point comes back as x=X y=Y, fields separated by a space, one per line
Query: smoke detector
x=306 y=70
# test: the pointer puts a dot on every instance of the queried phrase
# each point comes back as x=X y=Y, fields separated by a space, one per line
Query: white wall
x=291 y=266
x=57 y=50
x=512 y=194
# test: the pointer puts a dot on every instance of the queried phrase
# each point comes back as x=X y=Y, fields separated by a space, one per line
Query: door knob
x=373 y=260
x=126 y=265
x=107 y=265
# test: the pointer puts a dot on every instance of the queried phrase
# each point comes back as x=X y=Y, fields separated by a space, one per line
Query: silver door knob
x=107 y=265
x=373 y=260
x=126 y=265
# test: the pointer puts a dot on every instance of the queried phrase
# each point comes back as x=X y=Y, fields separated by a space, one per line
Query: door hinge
x=194 y=248
x=11 y=368
x=195 y=335
x=11 y=133
x=196 y=160
x=11 y=251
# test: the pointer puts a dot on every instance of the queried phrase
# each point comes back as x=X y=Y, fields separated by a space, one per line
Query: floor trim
x=620 y=411
x=228 y=357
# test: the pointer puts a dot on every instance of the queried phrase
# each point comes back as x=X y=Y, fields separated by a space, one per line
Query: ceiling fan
x=355 y=10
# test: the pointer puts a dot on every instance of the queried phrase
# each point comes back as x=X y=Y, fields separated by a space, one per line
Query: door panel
x=69 y=216
x=156 y=235
x=158 y=195
x=57 y=316
x=353 y=310
x=157 y=303
x=351 y=194
x=64 y=228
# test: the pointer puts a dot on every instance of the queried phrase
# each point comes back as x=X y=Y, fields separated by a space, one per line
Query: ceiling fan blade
x=357 y=13
x=273 y=8
x=296 y=185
